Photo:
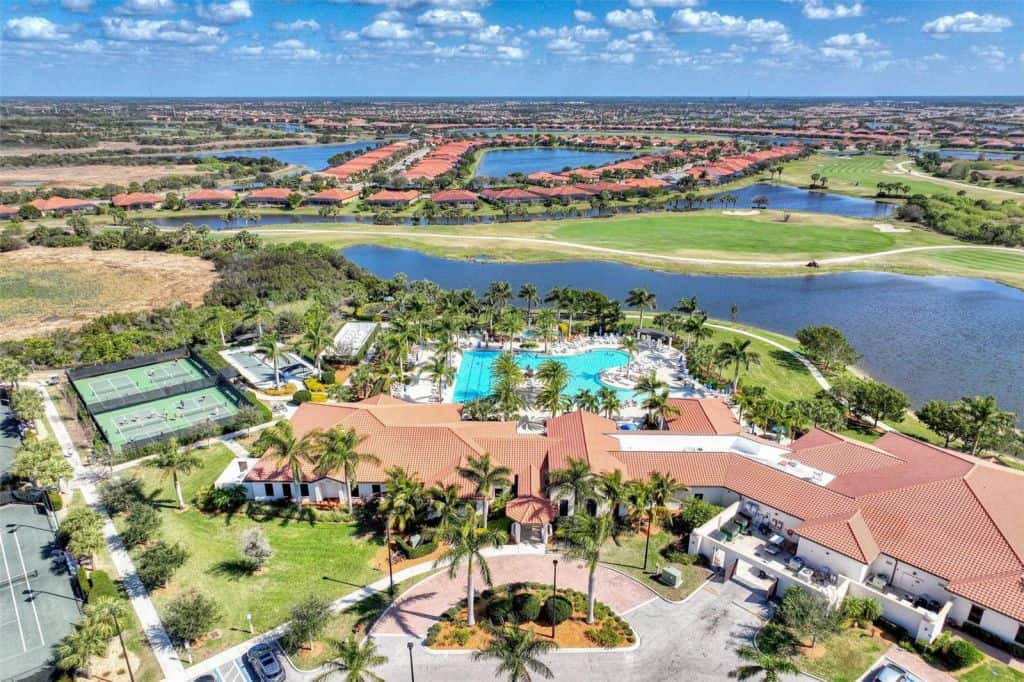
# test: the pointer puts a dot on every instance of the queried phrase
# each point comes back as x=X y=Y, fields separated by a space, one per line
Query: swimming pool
x=473 y=380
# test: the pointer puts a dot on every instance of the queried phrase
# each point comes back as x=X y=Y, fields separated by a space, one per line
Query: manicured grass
x=992 y=672
x=327 y=559
x=846 y=656
x=627 y=555
x=976 y=259
x=764 y=234
x=783 y=375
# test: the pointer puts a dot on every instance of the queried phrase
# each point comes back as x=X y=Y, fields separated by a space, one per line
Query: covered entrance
x=531 y=519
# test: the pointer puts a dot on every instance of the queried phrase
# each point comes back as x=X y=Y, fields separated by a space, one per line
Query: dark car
x=264 y=662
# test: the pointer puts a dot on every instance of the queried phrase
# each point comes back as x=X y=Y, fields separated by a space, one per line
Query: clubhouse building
x=933 y=535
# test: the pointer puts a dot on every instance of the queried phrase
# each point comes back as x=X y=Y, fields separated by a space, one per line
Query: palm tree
x=981 y=416
x=506 y=369
x=446 y=502
x=293 y=452
x=258 y=312
x=80 y=647
x=272 y=351
x=439 y=372
x=614 y=490
x=510 y=324
x=609 y=399
x=643 y=299
x=576 y=481
x=518 y=653
x=337 y=449
x=631 y=346
x=174 y=463
x=737 y=352
x=467 y=542
x=485 y=477
x=649 y=384
x=697 y=330
x=587 y=400
x=353 y=659
x=545 y=325
x=529 y=295
x=554 y=377
x=584 y=537
x=316 y=334
x=658 y=405
x=664 y=488
x=768 y=666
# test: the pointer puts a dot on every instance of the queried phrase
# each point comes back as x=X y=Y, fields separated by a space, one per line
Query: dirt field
x=88 y=176
x=43 y=290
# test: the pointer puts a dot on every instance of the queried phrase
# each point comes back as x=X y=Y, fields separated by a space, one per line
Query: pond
x=934 y=337
x=786 y=198
x=501 y=162
x=313 y=157
x=975 y=154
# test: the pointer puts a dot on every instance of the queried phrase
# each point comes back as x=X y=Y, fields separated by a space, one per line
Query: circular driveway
x=419 y=608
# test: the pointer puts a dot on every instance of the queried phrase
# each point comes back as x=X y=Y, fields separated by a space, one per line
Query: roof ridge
x=1009 y=543
x=988 y=576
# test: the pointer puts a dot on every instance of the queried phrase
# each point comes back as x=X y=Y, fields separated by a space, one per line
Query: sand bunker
x=889 y=227
x=748 y=211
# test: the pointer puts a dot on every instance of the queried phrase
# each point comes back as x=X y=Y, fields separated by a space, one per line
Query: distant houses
x=511 y=196
x=8 y=211
x=461 y=198
x=136 y=201
x=63 y=206
x=210 y=197
x=268 y=196
x=332 y=197
x=389 y=198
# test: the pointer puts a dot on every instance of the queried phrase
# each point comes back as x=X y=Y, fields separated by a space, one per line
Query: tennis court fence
x=140 y=443
x=153 y=394
x=131 y=363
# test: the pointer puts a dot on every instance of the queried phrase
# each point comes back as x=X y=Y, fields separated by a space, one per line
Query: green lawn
x=783 y=375
x=627 y=556
x=992 y=672
x=763 y=235
x=328 y=559
x=847 y=656
x=976 y=259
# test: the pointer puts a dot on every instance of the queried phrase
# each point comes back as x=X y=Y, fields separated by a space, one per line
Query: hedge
x=301 y=396
x=417 y=552
x=527 y=606
x=1012 y=648
x=500 y=611
x=557 y=608
x=265 y=412
x=56 y=501
x=100 y=585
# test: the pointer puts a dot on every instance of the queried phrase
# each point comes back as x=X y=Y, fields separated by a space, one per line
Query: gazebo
x=531 y=518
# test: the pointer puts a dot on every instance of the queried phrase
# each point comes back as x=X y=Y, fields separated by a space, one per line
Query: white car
x=891 y=672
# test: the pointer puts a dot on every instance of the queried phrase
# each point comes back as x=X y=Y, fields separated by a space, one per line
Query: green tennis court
x=139 y=380
x=38 y=607
x=159 y=418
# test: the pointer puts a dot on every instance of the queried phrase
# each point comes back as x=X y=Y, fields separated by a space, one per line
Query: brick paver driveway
x=420 y=607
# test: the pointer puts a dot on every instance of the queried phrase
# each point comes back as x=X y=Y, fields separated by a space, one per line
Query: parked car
x=890 y=672
x=265 y=663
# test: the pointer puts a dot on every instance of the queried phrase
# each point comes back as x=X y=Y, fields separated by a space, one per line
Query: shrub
x=56 y=501
x=82 y=579
x=460 y=635
x=117 y=494
x=419 y=551
x=141 y=524
x=527 y=606
x=265 y=414
x=101 y=586
x=190 y=615
x=959 y=653
x=307 y=620
x=682 y=558
x=255 y=547
x=1015 y=650
x=557 y=609
x=500 y=611
x=695 y=514
x=313 y=384
x=328 y=376
x=227 y=499
x=606 y=636
x=860 y=612
x=157 y=563
x=301 y=396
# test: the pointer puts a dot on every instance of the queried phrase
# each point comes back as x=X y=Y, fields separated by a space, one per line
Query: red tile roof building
x=390 y=197
x=210 y=197
x=277 y=196
x=59 y=205
x=136 y=200
x=365 y=163
x=457 y=197
x=333 y=196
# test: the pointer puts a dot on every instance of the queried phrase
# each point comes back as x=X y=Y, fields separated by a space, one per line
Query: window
x=975 y=615
x=1019 y=639
x=286 y=489
x=698 y=496
x=304 y=489
x=497 y=492
x=375 y=489
x=268 y=489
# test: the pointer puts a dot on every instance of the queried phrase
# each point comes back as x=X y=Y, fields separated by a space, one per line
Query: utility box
x=671 y=576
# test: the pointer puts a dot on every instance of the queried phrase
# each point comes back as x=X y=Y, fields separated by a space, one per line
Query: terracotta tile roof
x=335 y=195
x=848 y=533
x=1003 y=592
x=788 y=494
x=845 y=457
x=531 y=510
x=279 y=193
x=59 y=204
x=6 y=210
x=706 y=416
x=135 y=198
x=393 y=195
x=454 y=196
x=211 y=195
x=695 y=469
x=920 y=463
x=583 y=435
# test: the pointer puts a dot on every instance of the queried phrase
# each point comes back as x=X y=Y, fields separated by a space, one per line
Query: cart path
x=902 y=167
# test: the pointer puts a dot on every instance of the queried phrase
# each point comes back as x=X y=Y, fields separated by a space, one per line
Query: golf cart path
x=902 y=166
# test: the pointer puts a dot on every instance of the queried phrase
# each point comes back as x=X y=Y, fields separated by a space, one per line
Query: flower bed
x=528 y=606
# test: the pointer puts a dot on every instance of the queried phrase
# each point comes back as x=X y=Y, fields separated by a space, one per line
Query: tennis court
x=158 y=418
x=38 y=607
x=259 y=372
x=138 y=380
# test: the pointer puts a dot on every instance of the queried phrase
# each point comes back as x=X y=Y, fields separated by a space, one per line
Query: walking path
x=85 y=480
x=902 y=167
x=837 y=260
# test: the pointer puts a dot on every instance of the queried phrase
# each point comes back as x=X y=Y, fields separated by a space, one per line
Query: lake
x=974 y=155
x=502 y=162
x=933 y=337
x=313 y=157
x=786 y=198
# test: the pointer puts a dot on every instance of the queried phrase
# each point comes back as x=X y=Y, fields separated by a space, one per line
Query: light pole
x=554 y=593
x=391 y=574
x=647 y=543
x=412 y=670
x=248 y=617
x=120 y=636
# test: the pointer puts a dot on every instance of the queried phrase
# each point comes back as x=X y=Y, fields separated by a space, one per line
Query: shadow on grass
x=234 y=569
x=787 y=360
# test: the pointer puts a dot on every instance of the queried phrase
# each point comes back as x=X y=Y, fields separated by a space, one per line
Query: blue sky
x=511 y=47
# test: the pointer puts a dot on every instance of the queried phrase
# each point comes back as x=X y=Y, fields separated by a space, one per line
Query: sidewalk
x=85 y=480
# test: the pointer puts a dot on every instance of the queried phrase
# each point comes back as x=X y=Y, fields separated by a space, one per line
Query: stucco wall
x=817 y=555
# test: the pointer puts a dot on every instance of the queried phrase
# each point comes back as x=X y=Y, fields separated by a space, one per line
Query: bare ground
x=90 y=175
x=43 y=290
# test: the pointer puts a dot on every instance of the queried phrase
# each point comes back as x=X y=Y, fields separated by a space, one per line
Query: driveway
x=695 y=641
x=420 y=607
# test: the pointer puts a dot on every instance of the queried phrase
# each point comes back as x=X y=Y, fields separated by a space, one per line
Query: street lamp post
x=248 y=617
x=554 y=593
x=124 y=650
x=412 y=670
x=391 y=574
x=647 y=543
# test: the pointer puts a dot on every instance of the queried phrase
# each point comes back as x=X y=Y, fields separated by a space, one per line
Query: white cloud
x=565 y=45
x=249 y=50
x=294 y=50
x=663 y=3
x=297 y=25
x=583 y=34
x=617 y=57
x=817 y=9
x=161 y=31
x=583 y=16
x=494 y=35
x=966 y=22
x=858 y=41
x=77 y=5
x=33 y=28
x=230 y=12
x=147 y=7
x=416 y=4
x=630 y=19
x=89 y=46
x=689 y=21
x=451 y=19
x=383 y=29
x=511 y=52
x=993 y=57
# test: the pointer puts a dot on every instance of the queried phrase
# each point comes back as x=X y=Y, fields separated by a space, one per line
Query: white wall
x=911 y=579
x=993 y=621
x=817 y=555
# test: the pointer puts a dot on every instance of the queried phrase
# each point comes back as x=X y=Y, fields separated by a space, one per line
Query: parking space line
x=14 y=599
